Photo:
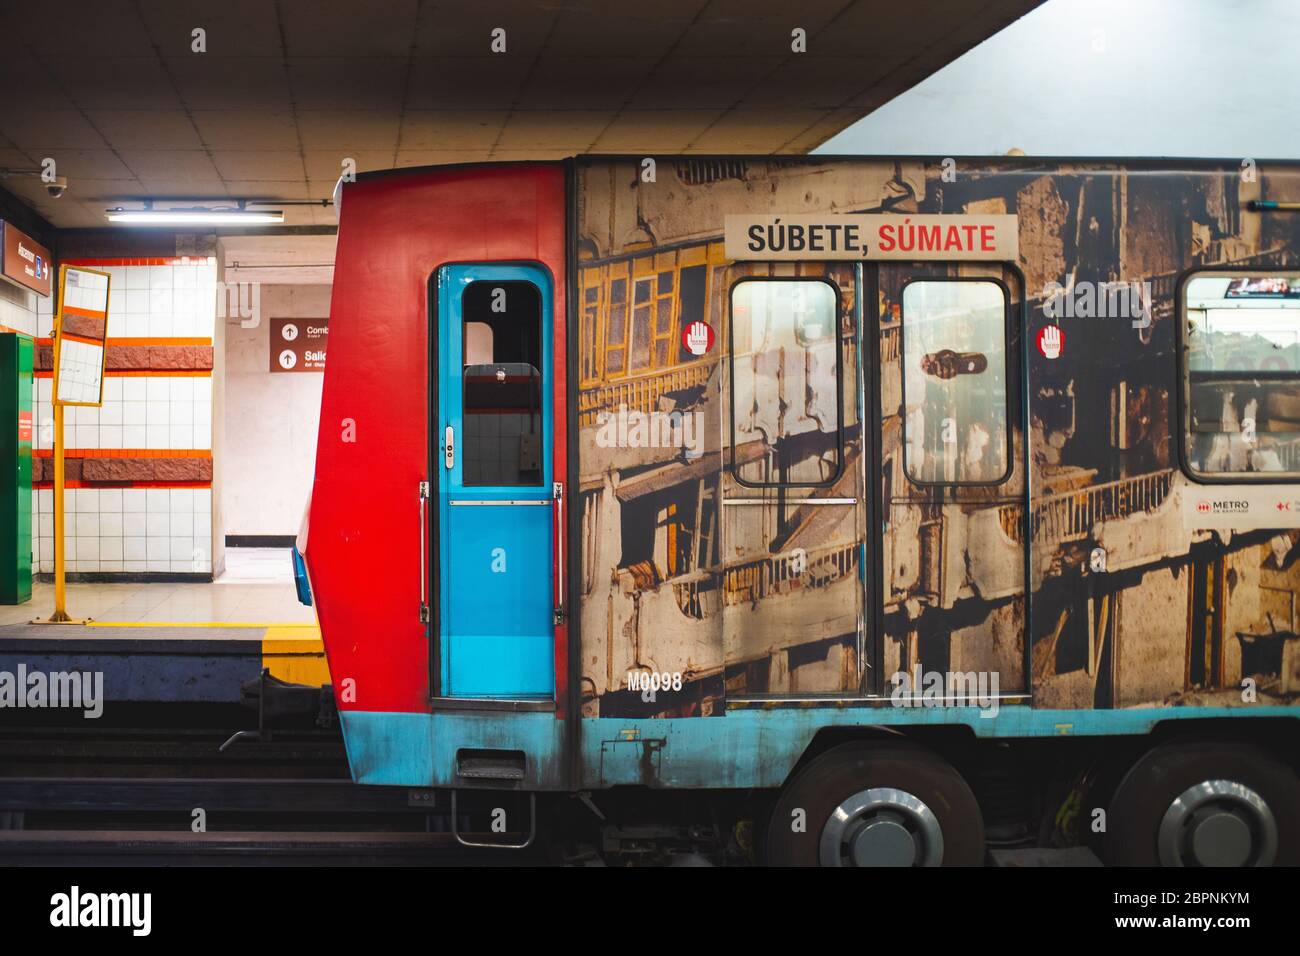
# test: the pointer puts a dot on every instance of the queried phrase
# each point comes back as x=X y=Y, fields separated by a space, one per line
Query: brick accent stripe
x=147 y=359
x=133 y=466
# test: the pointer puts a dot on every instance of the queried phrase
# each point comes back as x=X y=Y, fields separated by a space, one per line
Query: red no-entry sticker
x=1051 y=341
x=697 y=338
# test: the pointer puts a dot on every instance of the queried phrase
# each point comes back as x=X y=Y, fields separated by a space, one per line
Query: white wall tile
x=181 y=548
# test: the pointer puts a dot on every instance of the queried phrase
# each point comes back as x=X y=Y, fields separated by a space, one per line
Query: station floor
x=256 y=590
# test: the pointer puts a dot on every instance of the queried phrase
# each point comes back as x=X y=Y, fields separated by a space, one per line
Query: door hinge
x=424 y=489
x=558 y=617
x=424 y=614
x=557 y=490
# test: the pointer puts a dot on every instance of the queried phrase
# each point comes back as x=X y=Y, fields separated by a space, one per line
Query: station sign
x=25 y=261
x=79 y=341
x=298 y=345
x=907 y=238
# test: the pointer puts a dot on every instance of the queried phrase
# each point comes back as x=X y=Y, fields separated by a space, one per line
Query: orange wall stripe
x=131 y=372
x=85 y=313
x=147 y=261
x=140 y=340
x=125 y=484
x=81 y=338
x=126 y=452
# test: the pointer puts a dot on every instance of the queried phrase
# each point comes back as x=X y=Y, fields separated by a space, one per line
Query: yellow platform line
x=314 y=627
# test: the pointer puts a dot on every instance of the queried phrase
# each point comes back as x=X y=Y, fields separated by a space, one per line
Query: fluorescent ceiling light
x=193 y=217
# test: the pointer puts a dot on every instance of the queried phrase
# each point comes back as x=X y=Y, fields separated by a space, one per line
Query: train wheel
x=880 y=803
x=1205 y=804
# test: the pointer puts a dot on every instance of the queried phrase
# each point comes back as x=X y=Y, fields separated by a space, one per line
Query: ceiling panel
x=286 y=90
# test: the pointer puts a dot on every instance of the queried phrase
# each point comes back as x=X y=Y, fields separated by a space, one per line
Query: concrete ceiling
x=287 y=90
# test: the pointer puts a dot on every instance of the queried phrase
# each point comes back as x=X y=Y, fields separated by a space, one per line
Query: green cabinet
x=16 y=432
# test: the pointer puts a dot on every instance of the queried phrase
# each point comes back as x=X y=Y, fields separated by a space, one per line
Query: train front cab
x=435 y=531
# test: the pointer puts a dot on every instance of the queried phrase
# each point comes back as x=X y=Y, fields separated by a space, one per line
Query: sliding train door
x=952 y=479
x=792 y=572
x=496 y=515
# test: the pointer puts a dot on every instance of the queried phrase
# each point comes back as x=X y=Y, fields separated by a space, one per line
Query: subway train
x=855 y=510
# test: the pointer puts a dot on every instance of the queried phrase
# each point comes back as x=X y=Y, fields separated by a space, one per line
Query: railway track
x=68 y=821
x=250 y=848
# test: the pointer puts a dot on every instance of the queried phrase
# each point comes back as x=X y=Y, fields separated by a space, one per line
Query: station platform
x=173 y=643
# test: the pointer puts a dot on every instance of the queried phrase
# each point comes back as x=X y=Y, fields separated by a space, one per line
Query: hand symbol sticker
x=1050 y=341
x=697 y=338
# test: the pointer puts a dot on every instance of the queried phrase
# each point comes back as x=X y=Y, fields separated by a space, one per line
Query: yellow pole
x=60 y=614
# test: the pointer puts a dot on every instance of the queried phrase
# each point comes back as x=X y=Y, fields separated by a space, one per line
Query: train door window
x=502 y=384
x=786 y=382
x=954 y=351
x=1241 y=375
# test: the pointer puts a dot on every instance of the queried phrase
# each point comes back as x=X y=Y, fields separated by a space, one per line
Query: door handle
x=449 y=448
x=424 y=545
x=557 y=493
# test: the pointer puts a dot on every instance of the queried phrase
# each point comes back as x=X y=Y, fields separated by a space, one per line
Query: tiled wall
x=161 y=314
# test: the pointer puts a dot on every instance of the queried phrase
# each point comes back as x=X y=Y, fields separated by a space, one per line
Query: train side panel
x=771 y=610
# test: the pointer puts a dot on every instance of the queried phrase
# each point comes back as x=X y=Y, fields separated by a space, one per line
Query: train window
x=1241 y=375
x=502 y=384
x=954 y=353
x=786 y=382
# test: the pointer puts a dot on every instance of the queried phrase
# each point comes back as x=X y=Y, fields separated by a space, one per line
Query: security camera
x=57 y=187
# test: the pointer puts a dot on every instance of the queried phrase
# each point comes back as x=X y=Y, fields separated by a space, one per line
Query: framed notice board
x=79 y=336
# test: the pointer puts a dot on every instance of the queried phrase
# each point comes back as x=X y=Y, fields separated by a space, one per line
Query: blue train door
x=494 y=423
